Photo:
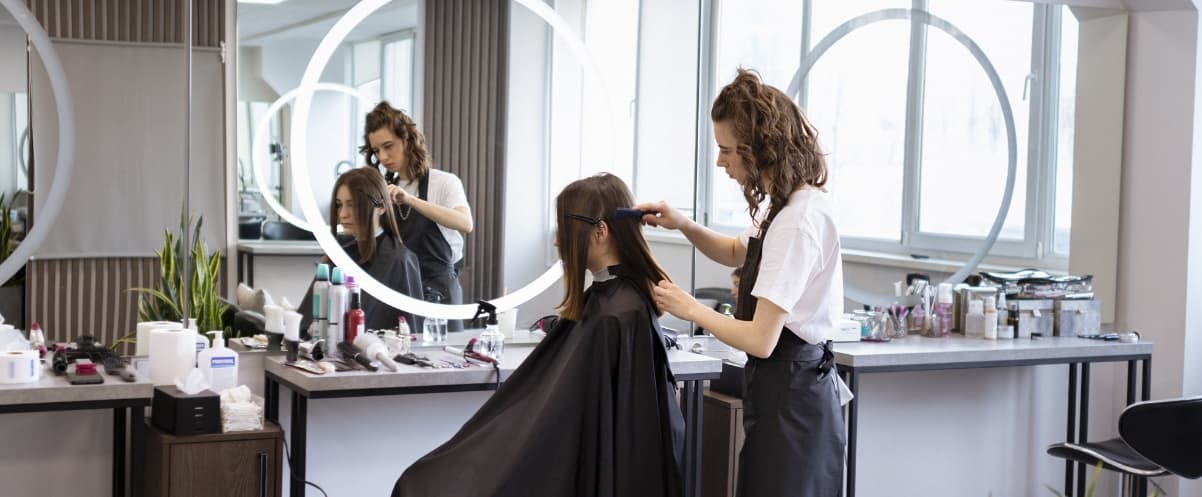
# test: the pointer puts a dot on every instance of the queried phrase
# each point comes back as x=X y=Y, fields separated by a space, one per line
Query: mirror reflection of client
x=592 y=411
x=361 y=206
x=431 y=206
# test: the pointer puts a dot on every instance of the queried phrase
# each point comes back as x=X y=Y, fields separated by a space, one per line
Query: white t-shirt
x=446 y=190
x=801 y=269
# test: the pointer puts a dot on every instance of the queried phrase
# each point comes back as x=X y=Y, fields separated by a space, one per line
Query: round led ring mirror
x=64 y=106
x=869 y=298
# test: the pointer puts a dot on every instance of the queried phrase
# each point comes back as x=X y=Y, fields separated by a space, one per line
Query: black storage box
x=731 y=381
x=178 y=413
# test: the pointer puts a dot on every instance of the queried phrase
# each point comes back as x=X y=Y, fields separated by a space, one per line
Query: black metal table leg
x=852 y=408
x=271 y=390
x=693 y=397
x=137 y=428
x=241 y=269
x=1083 y=425
x=300 y=410
x=1145 y=393
x=250 y=270
x=1070 y=433
x=119 y=452
x=1130 y=382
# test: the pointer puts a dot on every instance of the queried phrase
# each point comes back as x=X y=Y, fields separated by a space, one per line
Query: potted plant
x=165 y=303
x=12 y=293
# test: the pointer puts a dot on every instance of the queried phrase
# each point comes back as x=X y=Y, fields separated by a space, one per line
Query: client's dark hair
x=597 y=197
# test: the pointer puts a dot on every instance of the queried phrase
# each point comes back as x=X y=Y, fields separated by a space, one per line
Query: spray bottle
x=321 y=307
x=491 y=342
x=337 y=299
x=353 y=323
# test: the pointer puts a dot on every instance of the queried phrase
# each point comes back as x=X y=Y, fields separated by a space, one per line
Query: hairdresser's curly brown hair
x=384 y=115
x=777 y=144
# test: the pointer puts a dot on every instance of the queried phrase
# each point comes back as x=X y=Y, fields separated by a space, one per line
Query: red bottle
x=354 y=317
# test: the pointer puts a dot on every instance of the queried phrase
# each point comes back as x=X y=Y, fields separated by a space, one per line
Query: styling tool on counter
x=273 y=324
x=311 y=349
x=350 y=353
x=83 y=372
x=314 y=367
x=86 y=348
x=417 y=360
x=471 y=354
x=375 y=349
x=491 y=341
x=292 y=321
x=118 y=367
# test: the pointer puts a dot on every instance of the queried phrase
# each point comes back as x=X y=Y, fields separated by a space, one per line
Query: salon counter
x=354 y=432
x=50 y=394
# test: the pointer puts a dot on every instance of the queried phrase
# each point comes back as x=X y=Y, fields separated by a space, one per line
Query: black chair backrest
x=1166 y=432
x=282 y=230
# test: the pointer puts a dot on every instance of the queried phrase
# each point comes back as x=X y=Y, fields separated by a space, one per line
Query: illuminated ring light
x=261 y=134
x=866 y=297
x=66 y=139
x=300 y=121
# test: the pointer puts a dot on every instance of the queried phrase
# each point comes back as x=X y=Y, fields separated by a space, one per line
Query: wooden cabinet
x=242 y=464
x=722 y=439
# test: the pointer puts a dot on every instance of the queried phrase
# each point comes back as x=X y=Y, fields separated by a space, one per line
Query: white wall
x=127 y=182
x=330 y=124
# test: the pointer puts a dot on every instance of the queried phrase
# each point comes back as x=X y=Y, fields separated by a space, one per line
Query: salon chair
x=283 y=230
x=1156 y=438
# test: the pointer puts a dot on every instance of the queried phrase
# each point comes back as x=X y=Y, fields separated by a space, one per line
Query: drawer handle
x=262 y=475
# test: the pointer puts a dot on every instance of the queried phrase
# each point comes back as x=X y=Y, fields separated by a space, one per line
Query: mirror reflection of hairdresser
x=790 y=291
x=430 y=205
x=360 y=204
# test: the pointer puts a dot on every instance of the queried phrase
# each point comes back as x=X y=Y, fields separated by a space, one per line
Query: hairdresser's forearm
x=725 y=250
x=458 y=219
x=756 y=337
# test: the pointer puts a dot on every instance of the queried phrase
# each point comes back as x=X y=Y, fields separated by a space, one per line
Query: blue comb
x=626 y=213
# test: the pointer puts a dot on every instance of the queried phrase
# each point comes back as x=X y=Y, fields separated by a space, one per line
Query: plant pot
x=12 y=305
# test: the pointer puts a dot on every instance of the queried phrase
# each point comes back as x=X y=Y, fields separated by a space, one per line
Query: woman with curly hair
x=431 y=206
x=790 y=291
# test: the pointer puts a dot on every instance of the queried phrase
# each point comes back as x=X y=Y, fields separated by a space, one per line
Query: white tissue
x=12 y=340
x=193 y=384
x=240 y=411
x=287 y=305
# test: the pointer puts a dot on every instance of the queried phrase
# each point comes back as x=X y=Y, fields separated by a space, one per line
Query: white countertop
x=922 y=351
x=55 y=389
x=685 y=365
x=280 y=247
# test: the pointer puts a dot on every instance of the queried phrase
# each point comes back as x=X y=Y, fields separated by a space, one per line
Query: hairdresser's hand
x=399 y=195
x=663 y=215
x=671 y=299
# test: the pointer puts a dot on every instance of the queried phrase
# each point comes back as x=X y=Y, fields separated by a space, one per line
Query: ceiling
x=312 y=19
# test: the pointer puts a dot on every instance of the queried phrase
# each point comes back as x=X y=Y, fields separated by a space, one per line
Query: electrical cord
x=288 y=456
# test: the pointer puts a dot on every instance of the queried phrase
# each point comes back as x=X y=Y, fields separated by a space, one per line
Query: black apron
x=791 y=414
x=440 y=279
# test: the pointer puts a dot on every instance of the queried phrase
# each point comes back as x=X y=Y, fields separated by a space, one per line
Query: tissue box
x=178 y=413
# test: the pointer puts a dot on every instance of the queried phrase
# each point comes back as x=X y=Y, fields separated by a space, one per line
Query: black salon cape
x=393 y=265
x=592 y=412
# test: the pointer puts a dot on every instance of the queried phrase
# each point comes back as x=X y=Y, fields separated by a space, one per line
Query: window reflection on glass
x=249 y=116
x=764 y=35
x=964 y=144
x=856 y=97
x=1066 y=117
x=397 y=71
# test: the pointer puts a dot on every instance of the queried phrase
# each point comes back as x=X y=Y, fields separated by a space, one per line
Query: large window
x=911 y=126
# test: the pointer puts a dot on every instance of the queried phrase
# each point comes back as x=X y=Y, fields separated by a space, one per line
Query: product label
x=222 y=362
x=317 y=307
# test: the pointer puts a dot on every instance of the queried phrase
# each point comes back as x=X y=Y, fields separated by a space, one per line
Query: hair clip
x=580 y=217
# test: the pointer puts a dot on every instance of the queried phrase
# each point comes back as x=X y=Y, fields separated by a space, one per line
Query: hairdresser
x=790 y=291
x=431 y=206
